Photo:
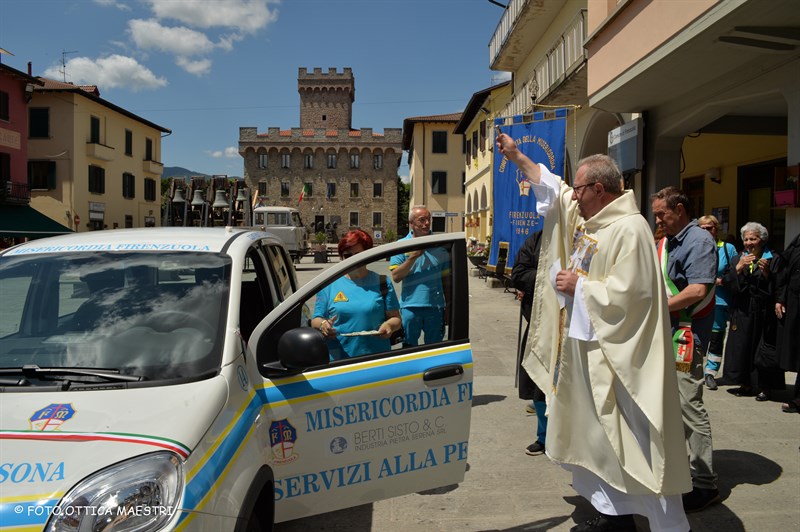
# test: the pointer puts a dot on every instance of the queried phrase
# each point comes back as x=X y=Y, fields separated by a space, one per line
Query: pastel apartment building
x=92 y=165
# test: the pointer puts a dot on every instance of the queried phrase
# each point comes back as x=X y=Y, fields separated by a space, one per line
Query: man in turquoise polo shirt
x=424 y=276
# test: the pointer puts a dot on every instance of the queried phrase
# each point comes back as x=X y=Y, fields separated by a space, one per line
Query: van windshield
x=150 y=314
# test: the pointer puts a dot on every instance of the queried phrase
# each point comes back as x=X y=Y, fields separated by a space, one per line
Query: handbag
x=766 y=356
x=400 y=334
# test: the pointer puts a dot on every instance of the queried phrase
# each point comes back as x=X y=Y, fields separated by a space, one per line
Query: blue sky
x=204 y=68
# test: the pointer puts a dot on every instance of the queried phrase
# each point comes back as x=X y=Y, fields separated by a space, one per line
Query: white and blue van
x=168 y=379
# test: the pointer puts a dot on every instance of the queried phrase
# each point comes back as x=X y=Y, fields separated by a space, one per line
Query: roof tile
x=452 y=117
x=51 y=84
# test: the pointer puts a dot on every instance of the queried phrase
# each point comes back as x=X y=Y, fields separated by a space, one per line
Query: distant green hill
x=177 y=171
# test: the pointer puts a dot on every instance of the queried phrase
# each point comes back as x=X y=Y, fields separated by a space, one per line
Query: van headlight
x=131 y=496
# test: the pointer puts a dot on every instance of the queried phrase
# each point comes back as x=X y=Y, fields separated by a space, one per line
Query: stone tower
x=326 y=98
x=347 y=177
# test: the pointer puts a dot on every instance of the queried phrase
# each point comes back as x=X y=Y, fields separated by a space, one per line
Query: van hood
x=52 y=440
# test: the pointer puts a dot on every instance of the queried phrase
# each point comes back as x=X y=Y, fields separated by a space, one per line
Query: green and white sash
x=683 y=339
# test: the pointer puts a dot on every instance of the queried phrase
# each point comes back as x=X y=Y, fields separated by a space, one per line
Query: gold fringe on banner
x=550 y=115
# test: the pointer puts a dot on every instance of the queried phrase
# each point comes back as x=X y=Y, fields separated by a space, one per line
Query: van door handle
x=443 y=372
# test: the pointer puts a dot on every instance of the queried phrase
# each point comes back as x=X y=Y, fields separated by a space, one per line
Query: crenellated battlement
x=332 y=73
x=290 y=136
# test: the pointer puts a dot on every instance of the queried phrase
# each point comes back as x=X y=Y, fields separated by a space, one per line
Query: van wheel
x=254 y=524
x=257 y=513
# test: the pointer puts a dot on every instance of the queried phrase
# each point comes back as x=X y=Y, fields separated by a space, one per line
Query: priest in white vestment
x=600 y=348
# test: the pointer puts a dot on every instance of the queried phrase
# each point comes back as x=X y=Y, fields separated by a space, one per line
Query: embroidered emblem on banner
x=282 y=437
x=523 y=183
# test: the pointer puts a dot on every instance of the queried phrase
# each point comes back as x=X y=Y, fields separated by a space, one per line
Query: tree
x=403 y=197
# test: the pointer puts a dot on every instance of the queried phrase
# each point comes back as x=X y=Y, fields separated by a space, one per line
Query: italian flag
x=302 y=194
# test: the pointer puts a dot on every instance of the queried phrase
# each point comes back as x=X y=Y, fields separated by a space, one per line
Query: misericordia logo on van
x=51 y=417
x=282 y=436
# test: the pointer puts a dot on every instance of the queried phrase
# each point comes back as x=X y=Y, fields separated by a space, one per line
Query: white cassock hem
x=664 y=513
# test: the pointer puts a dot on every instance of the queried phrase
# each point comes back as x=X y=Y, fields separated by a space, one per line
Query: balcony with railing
x=565 y=56
x=504 y=27
x=521 y=26
x=153 y=167
x=559 y=74
x=99 y=151
x=14 y=192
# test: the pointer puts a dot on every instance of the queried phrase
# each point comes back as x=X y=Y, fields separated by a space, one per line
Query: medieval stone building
x=346 y=177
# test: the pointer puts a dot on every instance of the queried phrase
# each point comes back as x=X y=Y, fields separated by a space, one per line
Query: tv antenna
x=64 y=62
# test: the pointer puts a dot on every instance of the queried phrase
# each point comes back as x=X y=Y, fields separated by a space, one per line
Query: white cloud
x=186 y=41
x=113 y=3
x=149 y=35
x=226 y=42
x=198 y=68
x=119 y=45
x=114 y=71
x=247 y=16
x=230 y=152
x=180 y=41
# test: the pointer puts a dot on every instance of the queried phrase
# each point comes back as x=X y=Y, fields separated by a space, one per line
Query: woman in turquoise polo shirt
x=352 y=313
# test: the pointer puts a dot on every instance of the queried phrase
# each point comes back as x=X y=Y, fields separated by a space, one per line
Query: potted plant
x=477 y=253
x=320 y=249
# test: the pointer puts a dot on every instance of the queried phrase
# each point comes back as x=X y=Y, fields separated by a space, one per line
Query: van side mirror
x=298 y=349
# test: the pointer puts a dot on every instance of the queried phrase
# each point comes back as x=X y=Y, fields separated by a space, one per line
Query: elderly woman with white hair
x=750 y=357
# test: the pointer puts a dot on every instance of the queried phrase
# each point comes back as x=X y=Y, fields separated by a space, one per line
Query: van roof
x=189 y=239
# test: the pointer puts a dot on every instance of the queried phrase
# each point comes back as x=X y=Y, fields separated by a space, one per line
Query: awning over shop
x=25 y=221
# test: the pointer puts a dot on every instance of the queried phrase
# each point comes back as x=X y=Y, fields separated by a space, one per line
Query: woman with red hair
x=352 y=312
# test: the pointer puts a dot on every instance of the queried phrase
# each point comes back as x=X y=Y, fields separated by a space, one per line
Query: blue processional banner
x=544 y=140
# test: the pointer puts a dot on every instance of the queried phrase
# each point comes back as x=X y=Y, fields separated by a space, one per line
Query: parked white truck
x=286 y=224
